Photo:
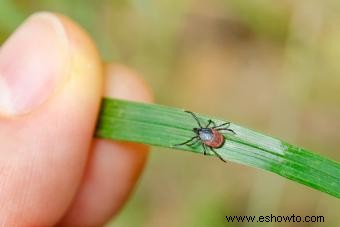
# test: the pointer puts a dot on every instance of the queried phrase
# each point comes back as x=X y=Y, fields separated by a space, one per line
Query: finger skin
x=114 y=167
x=43 y=153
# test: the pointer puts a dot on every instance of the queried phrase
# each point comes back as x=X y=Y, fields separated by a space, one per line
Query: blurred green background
x=269 y=65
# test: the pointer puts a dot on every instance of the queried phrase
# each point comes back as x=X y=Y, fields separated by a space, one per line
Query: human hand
x=52 y=171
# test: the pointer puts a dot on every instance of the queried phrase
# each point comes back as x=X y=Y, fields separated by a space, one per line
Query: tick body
x=209 y=137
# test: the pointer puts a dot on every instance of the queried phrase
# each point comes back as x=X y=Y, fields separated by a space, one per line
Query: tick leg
x=217 y=154
x=228 y=129
x=196 y=118
x=204 y=148
x=186 y=142
x=197 y=141
x=210 y=122
x=193 y=142
x=227 y=123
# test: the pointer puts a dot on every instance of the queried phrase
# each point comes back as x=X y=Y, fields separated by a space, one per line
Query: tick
x=209 y=137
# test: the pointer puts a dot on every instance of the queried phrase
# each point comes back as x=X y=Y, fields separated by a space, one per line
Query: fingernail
x=33 y=62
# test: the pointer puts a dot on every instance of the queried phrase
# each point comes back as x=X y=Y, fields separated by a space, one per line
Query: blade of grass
x=165 y=126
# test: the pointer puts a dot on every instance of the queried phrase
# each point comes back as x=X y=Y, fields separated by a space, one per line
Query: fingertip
x=43 y=152
x=124 y=83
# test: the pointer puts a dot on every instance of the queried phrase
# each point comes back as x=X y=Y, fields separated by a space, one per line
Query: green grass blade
x=165 y=126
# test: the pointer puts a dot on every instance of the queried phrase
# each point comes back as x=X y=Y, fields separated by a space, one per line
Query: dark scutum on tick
x=209 y=137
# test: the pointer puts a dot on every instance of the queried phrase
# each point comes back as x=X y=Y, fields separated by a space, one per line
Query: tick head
x=195 y=130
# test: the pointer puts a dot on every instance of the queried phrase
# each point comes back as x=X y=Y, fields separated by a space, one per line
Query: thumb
x=50 y=89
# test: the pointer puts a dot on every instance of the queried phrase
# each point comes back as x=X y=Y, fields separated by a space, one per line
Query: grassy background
x=270 y=65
